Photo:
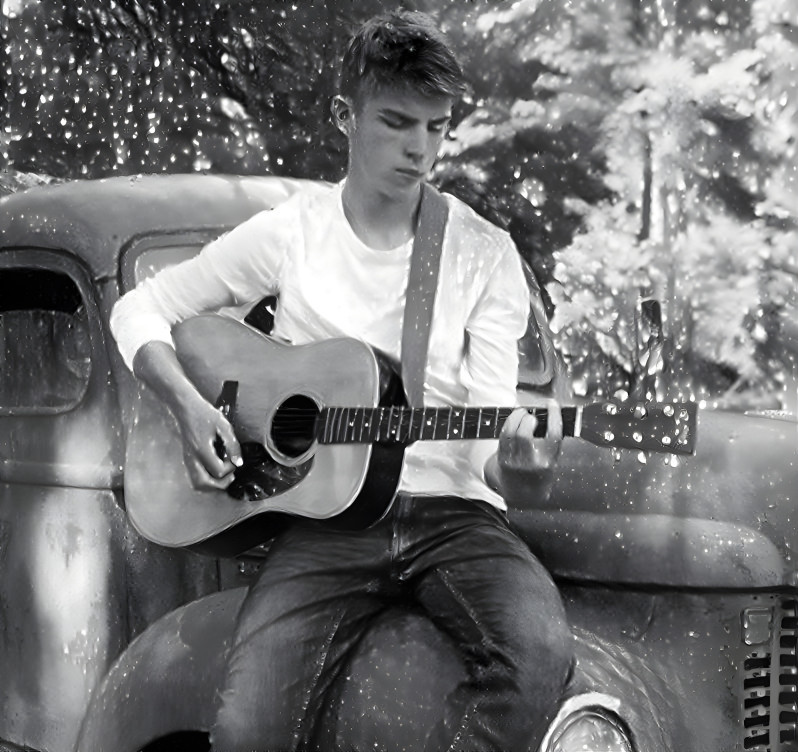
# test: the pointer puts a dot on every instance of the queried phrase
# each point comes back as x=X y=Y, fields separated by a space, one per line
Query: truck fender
x=167 y=682
x=167 y=679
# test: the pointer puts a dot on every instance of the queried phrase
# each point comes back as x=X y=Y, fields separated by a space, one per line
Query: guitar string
x=293 y=422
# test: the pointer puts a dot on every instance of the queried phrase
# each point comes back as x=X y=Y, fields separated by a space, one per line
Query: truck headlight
x=588 y=723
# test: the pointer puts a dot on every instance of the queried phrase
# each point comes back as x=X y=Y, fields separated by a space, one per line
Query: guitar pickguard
x=262 y=477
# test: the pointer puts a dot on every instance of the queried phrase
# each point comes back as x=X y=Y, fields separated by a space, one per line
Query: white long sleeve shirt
x=330 y=284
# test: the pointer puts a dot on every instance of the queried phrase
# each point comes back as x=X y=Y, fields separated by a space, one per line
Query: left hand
x=524 y=464
x=520 y=450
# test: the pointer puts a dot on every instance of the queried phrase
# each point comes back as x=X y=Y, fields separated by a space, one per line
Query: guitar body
x=353 y=483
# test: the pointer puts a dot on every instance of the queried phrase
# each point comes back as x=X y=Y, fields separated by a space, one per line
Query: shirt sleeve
x=498 y=320
x=241 y=266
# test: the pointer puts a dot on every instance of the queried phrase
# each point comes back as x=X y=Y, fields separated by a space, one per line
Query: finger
x=200 y=478
x=513 y=423
x=230 y=444
x=215 y=466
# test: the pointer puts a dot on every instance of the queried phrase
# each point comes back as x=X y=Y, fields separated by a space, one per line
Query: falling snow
x=632 y=158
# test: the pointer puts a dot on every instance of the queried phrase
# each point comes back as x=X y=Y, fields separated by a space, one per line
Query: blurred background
x=642 y=153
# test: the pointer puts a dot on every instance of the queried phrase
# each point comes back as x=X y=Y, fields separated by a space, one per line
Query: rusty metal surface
x=166 y=681
x=84 y=217
x=62 y=606
x=724 y=517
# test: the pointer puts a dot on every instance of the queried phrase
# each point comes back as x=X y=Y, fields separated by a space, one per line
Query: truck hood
x=721 y=518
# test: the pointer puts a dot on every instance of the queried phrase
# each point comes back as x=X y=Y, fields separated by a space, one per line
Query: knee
x=542 y=653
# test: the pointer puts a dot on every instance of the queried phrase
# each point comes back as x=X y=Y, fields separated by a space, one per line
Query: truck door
x=62 y=579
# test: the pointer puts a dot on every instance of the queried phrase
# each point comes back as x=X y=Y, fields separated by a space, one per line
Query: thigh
x=316 y=594
x=480 y=583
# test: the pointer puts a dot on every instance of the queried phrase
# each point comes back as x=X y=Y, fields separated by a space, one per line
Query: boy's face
x=394 y=138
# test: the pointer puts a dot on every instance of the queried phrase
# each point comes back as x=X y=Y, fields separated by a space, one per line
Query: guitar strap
x=422 y=284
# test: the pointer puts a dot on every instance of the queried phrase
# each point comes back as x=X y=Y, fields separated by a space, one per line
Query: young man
x=339 y=258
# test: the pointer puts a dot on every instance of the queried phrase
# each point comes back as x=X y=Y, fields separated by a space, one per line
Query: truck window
x=152 y=260
x=44 y=341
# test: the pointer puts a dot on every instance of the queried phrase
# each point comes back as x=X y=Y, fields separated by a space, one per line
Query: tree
x=676 y=140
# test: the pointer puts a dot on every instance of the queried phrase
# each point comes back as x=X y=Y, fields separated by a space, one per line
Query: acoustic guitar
x=321 y=436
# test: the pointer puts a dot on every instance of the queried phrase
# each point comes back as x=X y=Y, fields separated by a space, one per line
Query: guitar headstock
x=647 y=426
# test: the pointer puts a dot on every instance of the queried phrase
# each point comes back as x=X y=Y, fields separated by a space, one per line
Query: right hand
x=202 y=425
x=205 y=432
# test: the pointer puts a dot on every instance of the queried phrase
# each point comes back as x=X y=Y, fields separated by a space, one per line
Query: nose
x=417 y=143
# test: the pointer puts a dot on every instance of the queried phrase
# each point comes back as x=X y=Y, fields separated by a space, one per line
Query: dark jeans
x=319 y=590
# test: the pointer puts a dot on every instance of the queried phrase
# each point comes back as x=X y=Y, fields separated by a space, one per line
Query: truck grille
x=770 y=686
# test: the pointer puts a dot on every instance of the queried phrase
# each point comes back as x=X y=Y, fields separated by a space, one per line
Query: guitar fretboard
x=360 y=425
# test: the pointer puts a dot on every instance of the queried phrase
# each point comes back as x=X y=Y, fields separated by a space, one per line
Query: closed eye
x=396 y=121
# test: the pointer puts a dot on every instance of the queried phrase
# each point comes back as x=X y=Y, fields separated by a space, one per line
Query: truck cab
x=678 y=573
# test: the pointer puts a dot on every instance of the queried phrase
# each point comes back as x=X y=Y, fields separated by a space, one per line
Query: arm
x=232 y=270
x=201 y=424
x=498 y=322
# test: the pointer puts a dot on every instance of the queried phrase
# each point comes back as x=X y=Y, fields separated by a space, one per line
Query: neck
x=381 y=222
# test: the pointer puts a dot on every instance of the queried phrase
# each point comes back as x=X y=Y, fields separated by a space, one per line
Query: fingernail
x=237 y=461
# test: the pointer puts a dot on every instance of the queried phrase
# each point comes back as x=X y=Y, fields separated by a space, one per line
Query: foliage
x=634 y=149
x=687 y=111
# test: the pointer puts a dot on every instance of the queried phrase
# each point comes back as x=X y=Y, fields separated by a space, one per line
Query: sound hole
x=294 y=425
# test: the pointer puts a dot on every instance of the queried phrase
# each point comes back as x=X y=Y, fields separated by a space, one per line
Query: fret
x=345 y=413
x=417 y=422
x=407 y=417
x=345 y=424
x=327 y=433
x=476 y=423
x=396 y=416
x=470 y=423
x=380 y=418
x=453 y=431
x=401 y=417
x=397 y=420
x=339 y=416
x=374 y=432
x=390 y=432
x=352 y=421
x=426 y=423
x=364 y=422
x=496 y=424
x=405 y=422
x=333 y=419
x=325 y=427
x=372 y=424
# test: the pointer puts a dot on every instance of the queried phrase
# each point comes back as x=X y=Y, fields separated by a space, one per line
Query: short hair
x=403 y=49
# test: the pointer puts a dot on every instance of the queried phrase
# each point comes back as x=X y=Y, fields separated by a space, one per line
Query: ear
x=342 y=112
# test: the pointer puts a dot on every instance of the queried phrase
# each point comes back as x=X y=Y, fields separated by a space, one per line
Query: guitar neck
x=643 y=426
x=403 y=425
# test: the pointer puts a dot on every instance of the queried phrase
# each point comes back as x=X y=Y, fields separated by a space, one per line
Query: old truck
x=678 y=573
